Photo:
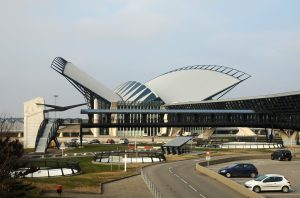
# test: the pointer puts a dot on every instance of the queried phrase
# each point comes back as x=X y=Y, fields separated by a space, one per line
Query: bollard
x=59 y=189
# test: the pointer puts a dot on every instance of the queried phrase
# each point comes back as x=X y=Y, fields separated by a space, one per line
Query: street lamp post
x=55 y=96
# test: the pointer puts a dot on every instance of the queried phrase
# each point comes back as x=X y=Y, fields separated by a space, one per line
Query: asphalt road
x=290 y=169
x=180 y=179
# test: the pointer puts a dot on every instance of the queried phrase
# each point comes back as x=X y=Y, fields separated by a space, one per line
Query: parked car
x=239 y=170
x=281 y=155
x=269 y=182
x=110 y=141
x=94 y=141
x=74 y=140
x=72 y=144
x=123 y=141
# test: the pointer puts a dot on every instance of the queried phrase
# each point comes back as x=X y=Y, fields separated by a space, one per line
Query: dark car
x=124 y=141
x=239 y=170
x=94 y=141
x=281 y=155
x=72 y=144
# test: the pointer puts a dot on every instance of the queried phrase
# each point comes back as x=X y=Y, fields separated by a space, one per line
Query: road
x=180 y=179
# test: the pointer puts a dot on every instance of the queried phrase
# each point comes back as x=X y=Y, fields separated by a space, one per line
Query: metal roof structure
x=195 y=83
x=217 y=68
x=177 y=145
x=276 y=103
x=178 y=141
x=83 y=82
x=186 y=84
x=133 y=91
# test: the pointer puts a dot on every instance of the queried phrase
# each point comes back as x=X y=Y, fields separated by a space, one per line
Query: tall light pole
x=55 y=96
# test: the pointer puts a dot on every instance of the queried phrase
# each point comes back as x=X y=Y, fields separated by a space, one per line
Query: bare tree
x=11 y=152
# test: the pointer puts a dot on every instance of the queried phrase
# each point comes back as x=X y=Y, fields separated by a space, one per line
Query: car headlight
x=223 y=171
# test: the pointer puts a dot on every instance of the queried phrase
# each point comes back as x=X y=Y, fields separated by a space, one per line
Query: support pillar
x=96 y=119
x=289 y=137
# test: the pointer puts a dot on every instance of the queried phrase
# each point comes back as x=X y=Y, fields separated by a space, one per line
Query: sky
x=117 y=40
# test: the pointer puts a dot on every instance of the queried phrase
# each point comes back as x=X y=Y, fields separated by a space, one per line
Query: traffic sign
x=208 y=158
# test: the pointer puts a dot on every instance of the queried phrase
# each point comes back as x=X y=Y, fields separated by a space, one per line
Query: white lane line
x=280 y=195
x=177 y=175
x=202 y=195
x=192 y=188
x=183 y=181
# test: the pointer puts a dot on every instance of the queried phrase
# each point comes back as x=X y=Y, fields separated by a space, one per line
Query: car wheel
x=290 y=159
x=228 y=175
x=256 y=189
x=253 y=175
x=285 y=189
x=272 y=158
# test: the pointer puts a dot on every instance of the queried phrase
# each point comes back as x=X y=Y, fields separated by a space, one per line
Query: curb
x=228 y=182
x=106 y=182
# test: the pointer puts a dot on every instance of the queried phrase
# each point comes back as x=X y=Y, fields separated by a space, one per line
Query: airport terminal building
x=186 y=85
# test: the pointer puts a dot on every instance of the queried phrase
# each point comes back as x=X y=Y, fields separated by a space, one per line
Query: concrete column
x=33 y=117
x=289 y=139
x=114 y=118
x=96 y=119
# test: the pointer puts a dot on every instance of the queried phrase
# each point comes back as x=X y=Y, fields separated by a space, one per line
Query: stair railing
x=53 y=132
x=40 y=132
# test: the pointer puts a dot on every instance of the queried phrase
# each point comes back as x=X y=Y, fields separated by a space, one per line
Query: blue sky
x=117 y=40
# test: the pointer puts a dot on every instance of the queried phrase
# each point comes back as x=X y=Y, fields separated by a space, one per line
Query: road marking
x=177 y=175
x=183 y=181
x=285 y=195
x=192 y=188
x=202 y=195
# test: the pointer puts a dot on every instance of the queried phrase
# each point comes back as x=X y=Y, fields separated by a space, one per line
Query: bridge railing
x=151 y=186
x=53 y=131
x=40 y=131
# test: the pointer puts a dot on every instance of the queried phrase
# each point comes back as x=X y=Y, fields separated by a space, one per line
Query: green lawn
x=88 y=181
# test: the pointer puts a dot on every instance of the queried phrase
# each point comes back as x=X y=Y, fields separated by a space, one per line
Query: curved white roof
x=195 y=83
x=83 y=80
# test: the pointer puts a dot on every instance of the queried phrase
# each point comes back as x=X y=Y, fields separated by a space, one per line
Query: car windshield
x=232 y=165
x=260 y=178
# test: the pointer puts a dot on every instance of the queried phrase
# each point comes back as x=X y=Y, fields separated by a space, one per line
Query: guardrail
x=243 y=145
x=40 y=131
x=48 y=165
x=248 y=145
x=151 y=186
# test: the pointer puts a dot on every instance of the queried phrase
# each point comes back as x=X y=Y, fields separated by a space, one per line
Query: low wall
x=228 y=182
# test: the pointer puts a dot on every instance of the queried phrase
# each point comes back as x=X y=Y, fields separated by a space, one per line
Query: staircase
x=47 y=132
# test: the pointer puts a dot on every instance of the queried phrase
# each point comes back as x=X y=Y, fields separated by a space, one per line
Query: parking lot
x=290 y=169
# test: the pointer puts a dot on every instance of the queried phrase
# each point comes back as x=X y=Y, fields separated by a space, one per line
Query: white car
x=269 y=182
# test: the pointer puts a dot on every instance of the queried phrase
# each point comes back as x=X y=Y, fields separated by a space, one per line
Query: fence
x=153 y=189
x=50 y=168
x=248 y=145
